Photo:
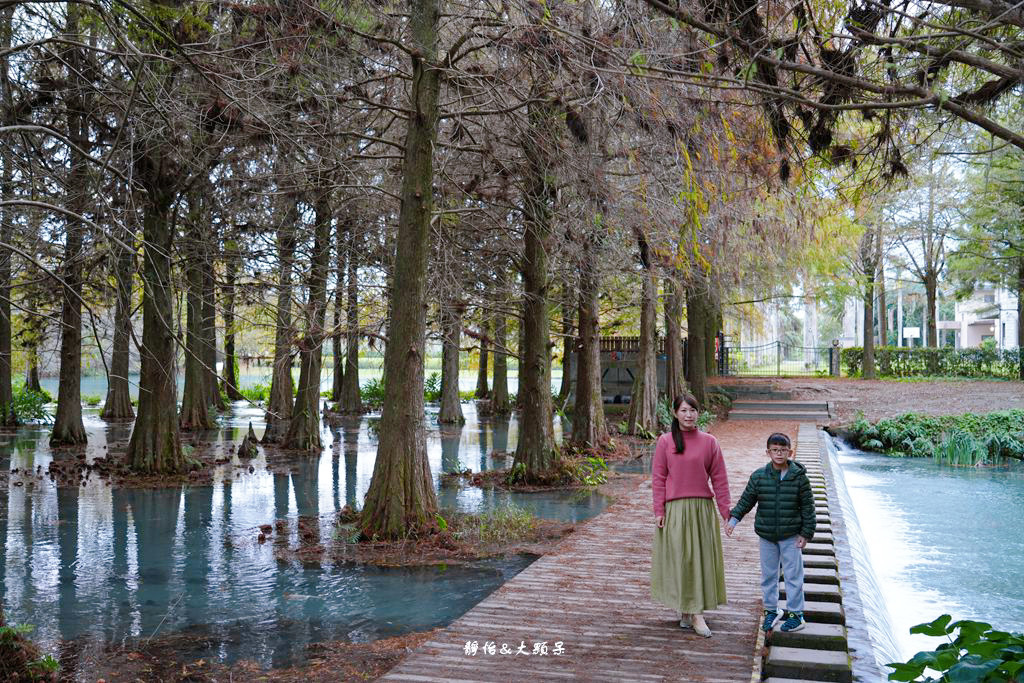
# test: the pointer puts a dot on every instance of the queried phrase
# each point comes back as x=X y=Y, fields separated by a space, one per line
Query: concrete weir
x=820 y=652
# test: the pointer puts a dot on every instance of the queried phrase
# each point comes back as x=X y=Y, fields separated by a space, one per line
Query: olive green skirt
x=687 y=569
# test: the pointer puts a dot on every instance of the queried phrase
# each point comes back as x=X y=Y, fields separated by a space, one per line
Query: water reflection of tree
x=451 y=437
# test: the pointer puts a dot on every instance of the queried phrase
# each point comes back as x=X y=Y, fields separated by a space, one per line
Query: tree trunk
x=1020 y=316
x=118 y=405
x=500 y=404
x=536 y=448
x=401 y=498
x=451 y=327
x=155 y=444
x=208 y=329
x=279 y=407
x=643 y=406
x=195 y=414
x=304 y=428
x=481 y=375
x=696 y=326
x=568 y=340
x=339 y=310
x=7 y=416
x=931 y=287
x=588 y=428
x=351 y=402
x=710 y=334
x=67 y=424
x=231 y=259
x=675 y=385
x=869 y=327
x=32 y=369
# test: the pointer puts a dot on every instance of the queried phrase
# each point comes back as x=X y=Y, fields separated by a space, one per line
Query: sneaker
x=794 y=622
x=771 y=617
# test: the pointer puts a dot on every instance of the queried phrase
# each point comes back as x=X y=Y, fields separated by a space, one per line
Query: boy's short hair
x=779 y=439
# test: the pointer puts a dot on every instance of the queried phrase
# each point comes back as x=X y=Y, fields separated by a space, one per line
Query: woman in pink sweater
x=687 y=570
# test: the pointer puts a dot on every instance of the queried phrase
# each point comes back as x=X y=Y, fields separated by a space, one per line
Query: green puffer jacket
x=784 y=508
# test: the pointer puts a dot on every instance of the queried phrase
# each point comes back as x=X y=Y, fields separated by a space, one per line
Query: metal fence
x=775 y=359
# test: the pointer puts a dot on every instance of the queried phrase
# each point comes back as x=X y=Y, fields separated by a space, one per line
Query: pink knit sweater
x=686 y=475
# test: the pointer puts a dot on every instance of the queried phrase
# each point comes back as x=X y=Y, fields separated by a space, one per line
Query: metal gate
x=775 y=359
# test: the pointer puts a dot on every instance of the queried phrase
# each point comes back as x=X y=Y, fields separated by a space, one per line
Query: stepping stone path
x=819 y=652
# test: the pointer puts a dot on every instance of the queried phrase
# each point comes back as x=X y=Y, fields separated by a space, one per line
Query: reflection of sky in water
x=943 y=540
x=107 y=564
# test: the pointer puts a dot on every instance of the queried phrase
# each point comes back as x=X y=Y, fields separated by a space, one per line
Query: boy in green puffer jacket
x=785 y=522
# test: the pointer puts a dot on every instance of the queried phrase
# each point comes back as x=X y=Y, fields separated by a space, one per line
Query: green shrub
x=893 y=361
x=29 y=405
x=432 y=388
x=992 y=435
x=372 y=393
x=978 y=653
x=257 y=393
x=91 y=400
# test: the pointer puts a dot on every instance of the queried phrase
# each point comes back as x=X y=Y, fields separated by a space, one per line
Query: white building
x=989 y=313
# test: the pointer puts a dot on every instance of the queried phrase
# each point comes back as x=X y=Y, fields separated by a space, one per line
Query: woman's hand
x=660 y=521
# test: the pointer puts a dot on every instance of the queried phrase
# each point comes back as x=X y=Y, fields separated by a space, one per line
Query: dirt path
x=878 y=399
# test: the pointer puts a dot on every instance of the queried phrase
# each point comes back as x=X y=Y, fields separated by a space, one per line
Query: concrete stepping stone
x=821 y=612
x=820 y=575
x=817 y=592
x=819 y=549
x=820 y=561
x=814 y=665
x=813 y=636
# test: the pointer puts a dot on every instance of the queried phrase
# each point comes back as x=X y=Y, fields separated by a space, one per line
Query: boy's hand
x=660 y=521
x=801 y=542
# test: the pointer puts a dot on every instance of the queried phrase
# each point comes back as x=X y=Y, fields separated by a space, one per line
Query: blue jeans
x=791 y=558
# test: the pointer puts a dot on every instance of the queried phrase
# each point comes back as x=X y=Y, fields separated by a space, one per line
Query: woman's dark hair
x=677 y=431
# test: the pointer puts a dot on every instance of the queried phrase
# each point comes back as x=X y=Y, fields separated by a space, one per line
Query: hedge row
x=893 y=361
x=911 y=434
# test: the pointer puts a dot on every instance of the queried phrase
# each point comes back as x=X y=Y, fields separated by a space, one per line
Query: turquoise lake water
x=93 y=567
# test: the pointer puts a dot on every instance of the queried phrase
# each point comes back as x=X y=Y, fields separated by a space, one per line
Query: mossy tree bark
x=536 y=448
x=7 y=416
x=482 y=390
x=588 y=428
x=675 y=383
x=208 y=328
x=231 y=260
x=712 y=326
x=338 y=375
x=401 y=498
x=451 y=326
x=696 y=325
x=304 y=428
x=155 y=444
x=500 y=404
x=279 y=407
x=643 y=406
x=118 y=405
x=67 y=423
x=350 y=402
x=195 y=414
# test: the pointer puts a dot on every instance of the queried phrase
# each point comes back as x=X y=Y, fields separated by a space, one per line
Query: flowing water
x=938 y=540
x=97 y=566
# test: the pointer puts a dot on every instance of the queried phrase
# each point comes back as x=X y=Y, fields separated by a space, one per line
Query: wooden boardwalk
x=590 y=600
